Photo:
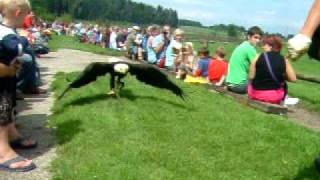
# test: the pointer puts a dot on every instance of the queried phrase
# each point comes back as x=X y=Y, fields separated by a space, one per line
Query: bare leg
x=313 y=20
x=6 y=152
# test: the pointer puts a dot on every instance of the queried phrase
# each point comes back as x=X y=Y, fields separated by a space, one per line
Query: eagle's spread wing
x=90 y=74
x=153 y=76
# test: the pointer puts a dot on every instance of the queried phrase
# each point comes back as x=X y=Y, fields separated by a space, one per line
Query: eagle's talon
x=112 y=93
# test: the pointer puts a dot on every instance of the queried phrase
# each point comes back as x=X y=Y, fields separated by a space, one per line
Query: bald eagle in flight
x=146 y=73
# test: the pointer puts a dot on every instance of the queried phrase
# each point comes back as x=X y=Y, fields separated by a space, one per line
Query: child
x=200 y=73
x=218 y=68
x=188 y=60
x=203 y=63
x=14 y=14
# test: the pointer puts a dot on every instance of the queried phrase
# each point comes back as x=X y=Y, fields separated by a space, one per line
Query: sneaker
x=298 y=46
x=291 y=101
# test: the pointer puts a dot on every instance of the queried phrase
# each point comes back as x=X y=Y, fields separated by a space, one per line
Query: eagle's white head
x=121 y=68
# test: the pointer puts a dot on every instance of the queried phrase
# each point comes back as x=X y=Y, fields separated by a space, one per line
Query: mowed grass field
x=151 y=134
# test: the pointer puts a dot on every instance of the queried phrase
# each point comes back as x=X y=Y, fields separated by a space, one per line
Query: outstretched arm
x=290 y=74
x=313 y=20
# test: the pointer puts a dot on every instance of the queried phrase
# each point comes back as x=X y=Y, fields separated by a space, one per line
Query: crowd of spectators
x=165 y=47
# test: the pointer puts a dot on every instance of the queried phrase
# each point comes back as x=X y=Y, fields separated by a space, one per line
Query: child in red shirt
x=218 y=68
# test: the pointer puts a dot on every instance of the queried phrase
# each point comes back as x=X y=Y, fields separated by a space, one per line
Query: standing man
x=161 y=42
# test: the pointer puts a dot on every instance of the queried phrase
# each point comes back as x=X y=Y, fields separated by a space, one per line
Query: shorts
x=6 y=109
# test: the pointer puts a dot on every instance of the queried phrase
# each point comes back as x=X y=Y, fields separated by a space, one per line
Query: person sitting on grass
x=200 y=74
x=14 y=14
x=269 y=72
x=241 y=58
x=202 y=69
x=218 y=68
x=188 y=60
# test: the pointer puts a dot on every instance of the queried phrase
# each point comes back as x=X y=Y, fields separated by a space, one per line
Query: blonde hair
x=178 y=32
x=189 y=44
x=10 y=7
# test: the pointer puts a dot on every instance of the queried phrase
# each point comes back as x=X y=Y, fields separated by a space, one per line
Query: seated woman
x=218 y=68
x=269 y=73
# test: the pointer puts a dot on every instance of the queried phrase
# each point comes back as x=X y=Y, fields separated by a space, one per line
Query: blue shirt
x=203 y=65
x=152 y=57
x=10 y=45
x=155 y=43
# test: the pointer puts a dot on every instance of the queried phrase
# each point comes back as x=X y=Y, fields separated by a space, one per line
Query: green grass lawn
x=205 y=33
x=152 y=134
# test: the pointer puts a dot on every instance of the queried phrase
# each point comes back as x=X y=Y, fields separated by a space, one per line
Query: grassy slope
x=151 y=134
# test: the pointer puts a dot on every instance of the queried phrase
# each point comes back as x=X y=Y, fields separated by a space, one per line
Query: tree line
x=186 y=22
x=103 y=10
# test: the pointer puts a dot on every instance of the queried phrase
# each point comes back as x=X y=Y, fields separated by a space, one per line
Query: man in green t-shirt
x=241 y=58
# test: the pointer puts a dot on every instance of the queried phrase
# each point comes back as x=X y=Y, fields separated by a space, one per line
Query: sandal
x=22 y=143
x=6 y=165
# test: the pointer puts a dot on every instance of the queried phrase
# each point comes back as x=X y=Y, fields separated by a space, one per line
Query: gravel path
x=35 y=110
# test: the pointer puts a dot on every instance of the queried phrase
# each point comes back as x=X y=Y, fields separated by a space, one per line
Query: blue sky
x=284 y=16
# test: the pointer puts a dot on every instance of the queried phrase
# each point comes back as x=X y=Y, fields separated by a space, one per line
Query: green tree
x=232 y=31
